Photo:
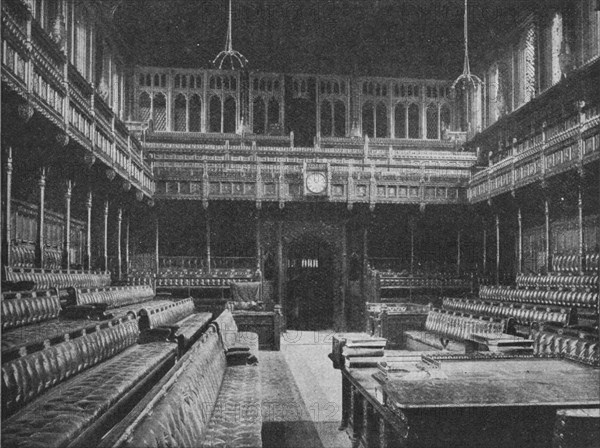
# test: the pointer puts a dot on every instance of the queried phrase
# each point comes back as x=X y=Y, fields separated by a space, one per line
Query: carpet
x=287 y=423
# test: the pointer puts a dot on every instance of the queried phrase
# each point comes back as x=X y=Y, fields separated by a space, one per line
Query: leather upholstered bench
x=34 y=320
x=177 y=318
x=446 y=330
x=20 y=309
x=233 y=339
x=114 y=296
x=68 y=393
x=202 y=402
x=49 y=278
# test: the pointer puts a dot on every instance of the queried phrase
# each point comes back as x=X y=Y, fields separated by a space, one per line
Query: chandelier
x=229 y=54
x=467 y=84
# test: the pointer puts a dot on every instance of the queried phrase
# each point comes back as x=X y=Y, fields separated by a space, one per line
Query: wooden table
x=465 y=403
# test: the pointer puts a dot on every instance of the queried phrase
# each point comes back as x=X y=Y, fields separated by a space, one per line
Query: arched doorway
x=310 y=285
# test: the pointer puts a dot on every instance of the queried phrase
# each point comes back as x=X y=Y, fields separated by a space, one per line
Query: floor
x=301 y=393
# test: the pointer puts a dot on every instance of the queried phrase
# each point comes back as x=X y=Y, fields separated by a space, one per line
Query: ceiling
x=414 y=38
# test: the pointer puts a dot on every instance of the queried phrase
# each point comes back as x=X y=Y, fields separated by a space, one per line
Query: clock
x=316 y=182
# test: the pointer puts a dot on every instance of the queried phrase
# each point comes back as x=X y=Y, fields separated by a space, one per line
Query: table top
x=494 y=383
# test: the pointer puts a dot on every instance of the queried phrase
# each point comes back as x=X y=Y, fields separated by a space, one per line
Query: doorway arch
x=310 y=290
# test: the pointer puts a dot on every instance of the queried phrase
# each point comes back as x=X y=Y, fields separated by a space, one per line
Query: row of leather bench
x=446 y=329
x=588 y=299
x=570 y=263
x=557 y=281
x=87 y=377
x=583 y=350
x=70 y=391
x=115 y=296
x=53 y=324
x=71 y=394
x=24 y=256
x=210 y=398
x=523 y=314
x=40 y=279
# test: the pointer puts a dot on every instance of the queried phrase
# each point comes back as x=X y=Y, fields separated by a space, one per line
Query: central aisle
x=301 y=394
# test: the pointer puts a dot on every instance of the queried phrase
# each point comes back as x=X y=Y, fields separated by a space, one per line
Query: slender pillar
x=88 y=242
x=67 y=238
x=365 y=249
x=341 y=320
x=412 y=249
x=547 y=258
x=458 y=247
x=484 y=264
x=497 y=249
x=519 y=242
x=582 y=266
x=7 y=221
x=40 y=243
x=208 y=259
x=280 y=266
x=156 y=241
x=105 y=238
x=119 y=232
x=258 y=242
x=127 y=246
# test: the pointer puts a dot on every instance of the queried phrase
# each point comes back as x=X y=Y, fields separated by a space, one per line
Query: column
x=119 y=254
x=258 y=241
x=222 y=113
x=497 y=249
x=547 y=258
x=208 y=259
x=582 y=266
x=280 y=267
x=458 y=247
x=484 y=265
x=88 y=242
x=423 y=117
x=40 y=243
x=156 y=241
x=127 y=246
x=105 y=238
x=342 y=311
x=519 y=242
x=412 y=247
x=365 y=249
x=67 y=238
x=7 y=221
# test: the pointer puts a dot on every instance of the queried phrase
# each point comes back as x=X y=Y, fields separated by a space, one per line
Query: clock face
x=316 y=182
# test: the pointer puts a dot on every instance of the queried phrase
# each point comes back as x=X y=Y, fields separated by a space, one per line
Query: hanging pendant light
x=467 y=83
x=229 y=54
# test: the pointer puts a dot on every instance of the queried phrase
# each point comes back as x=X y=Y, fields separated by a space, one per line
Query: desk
x=267 y=324
x=465 y=403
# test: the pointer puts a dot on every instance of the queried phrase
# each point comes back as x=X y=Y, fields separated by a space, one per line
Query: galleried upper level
x=307 y=106
x=537 y=111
